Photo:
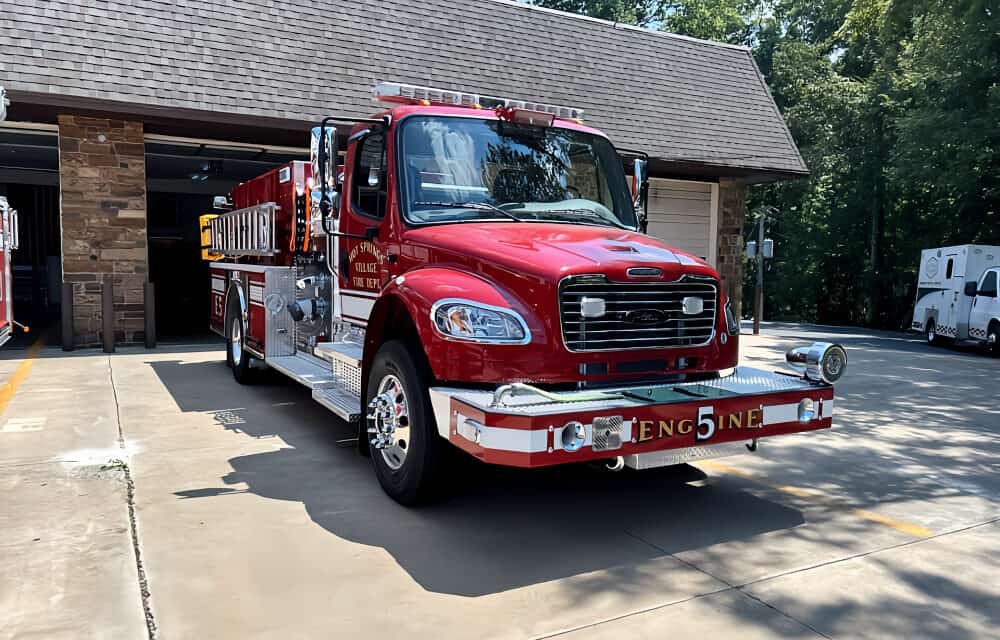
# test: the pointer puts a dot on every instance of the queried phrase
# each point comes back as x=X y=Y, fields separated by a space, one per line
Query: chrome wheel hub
x=236 y=338
x=389 y=421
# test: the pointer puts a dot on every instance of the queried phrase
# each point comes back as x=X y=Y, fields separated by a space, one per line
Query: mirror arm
x=370 y=234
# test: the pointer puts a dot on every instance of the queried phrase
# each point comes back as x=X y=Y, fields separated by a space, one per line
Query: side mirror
x=323 y=156
x=640 y=190
x=971 y=288
x=15 y=230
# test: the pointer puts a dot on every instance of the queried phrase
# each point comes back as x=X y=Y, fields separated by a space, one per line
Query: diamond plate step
x=347 y=352
x=340 y=401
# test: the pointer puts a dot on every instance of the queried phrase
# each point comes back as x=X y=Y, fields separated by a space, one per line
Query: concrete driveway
x=149 y=494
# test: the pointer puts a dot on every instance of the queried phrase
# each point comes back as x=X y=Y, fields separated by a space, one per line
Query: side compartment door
x=949 y=318
x=985 y=305
x=362 y=263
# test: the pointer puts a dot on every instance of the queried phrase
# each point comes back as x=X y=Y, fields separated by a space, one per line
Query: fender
x=448 y=358
x=235 y=285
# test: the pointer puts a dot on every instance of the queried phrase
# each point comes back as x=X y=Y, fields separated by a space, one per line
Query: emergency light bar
x=412 y=94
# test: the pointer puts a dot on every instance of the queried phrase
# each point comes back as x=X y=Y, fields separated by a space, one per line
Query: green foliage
x=895 y=107
x=638 y=12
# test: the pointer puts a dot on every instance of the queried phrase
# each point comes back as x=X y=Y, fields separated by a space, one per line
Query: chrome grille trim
x=613 y=333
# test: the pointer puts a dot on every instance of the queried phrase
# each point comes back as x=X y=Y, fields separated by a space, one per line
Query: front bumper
x=648 y=425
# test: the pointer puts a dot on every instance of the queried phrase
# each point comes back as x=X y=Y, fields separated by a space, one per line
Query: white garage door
x=682 y=213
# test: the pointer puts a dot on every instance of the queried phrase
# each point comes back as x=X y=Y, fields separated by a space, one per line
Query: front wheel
x=407 y=451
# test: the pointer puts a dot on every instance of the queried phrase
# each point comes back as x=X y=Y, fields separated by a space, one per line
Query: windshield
x=457 y=169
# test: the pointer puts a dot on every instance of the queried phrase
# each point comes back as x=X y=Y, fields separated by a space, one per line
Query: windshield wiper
x=589 y=213
x=481 y=206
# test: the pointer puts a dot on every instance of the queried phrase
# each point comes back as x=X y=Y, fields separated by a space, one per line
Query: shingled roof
x=685 y=101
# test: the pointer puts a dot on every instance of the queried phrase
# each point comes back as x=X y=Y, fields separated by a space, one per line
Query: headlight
x=467 y=320
x=820 y=361
x=732 y=324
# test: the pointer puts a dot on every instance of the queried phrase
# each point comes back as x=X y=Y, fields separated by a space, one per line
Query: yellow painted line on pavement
x=9 y=388
x=909 y=528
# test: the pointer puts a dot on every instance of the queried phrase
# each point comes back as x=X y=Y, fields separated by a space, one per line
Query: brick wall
x=102 y=177
x=732 y=211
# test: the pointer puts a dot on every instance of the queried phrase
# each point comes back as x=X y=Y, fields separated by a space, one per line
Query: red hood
x=550 y=251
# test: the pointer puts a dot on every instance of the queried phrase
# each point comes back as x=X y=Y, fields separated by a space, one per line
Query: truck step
x=304 y=369
x=347 y=352
x=340 y=401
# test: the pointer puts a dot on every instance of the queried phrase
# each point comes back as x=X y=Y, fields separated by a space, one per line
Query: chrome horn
x=819 y=362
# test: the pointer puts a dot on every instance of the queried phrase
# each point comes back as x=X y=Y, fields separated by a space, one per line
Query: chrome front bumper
x=649 y=425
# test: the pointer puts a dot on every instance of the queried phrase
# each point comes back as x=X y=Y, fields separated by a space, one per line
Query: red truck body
x=526 y=333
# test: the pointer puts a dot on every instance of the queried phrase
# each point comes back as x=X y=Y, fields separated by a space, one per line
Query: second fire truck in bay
x=475 y=275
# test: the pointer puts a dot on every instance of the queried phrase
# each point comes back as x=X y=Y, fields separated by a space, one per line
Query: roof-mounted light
x=412 y=94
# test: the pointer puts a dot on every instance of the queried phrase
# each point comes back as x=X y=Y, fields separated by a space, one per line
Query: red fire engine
x=475 y=274
x=8 y=242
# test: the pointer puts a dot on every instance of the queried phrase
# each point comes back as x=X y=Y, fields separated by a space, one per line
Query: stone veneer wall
x=732 y=212
x=102 y=184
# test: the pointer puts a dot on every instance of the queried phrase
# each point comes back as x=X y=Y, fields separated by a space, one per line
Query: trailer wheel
x=236 y=352
x=407 y=452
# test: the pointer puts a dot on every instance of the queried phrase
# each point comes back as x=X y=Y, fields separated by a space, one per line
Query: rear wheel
x=236 y=353
x=993 y=339
x=932 y=335
x=407 y=451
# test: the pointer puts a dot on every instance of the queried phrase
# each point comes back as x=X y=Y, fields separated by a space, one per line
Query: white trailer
x=957 y=295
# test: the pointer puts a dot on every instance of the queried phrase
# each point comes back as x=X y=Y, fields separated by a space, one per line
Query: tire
x=932 y=335
x=237 y=355
x=409 y=466
x=993 y=339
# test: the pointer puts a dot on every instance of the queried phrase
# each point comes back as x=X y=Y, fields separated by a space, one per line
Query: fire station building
x=127 y=117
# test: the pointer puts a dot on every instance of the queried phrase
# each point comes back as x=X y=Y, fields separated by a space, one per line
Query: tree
x=894 y=105
x=643 y=13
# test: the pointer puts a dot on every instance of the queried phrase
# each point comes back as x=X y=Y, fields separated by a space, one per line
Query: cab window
x=368 y=188
x=989 y=285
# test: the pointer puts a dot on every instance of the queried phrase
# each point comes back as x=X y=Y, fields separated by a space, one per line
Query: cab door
x=986 y=304
x=362 y=266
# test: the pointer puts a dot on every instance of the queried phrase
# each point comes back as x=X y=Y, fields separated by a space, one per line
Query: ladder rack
x=245 y=232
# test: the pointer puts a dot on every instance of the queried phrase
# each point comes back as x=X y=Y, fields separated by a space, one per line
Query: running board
x=340 y=401
x=304 y=369
x=326 y=387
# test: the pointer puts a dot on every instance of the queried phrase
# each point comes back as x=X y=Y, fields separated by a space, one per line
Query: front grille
x=638 y=315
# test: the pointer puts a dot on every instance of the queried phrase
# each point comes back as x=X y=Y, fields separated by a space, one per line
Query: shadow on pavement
x=495 y=529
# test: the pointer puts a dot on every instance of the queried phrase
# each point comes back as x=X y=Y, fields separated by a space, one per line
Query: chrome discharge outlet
x=819 y=362
x=615 y=464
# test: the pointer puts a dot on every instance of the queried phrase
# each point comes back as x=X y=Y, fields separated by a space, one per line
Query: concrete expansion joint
x=727 y=587
x=122 y=463
x=742 y=588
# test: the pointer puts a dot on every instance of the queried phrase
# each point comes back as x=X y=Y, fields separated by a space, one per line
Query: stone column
x=102 y=189
x=732 y=212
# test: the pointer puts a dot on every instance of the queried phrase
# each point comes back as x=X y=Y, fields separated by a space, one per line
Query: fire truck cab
x=474 y=274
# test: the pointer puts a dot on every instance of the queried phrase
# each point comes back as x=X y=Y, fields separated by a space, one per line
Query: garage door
x=681 y=213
